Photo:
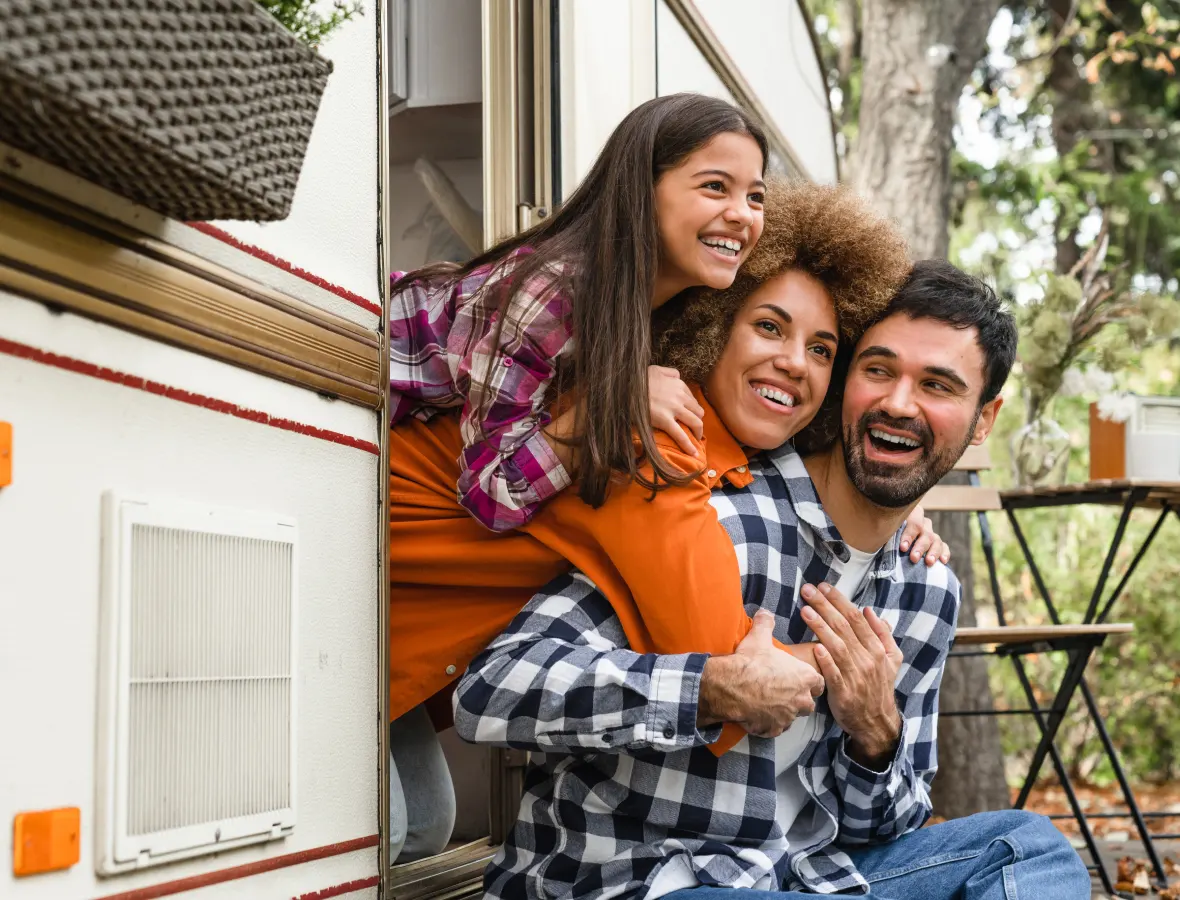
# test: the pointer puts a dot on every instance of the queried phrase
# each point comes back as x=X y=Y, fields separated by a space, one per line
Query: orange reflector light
x=46 y=840
x=5 y=454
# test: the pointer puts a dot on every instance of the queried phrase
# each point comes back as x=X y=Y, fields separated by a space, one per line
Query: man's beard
x=894 y=486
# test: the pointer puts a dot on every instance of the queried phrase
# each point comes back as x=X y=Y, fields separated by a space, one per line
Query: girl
x=673 y=202
x=567 y=305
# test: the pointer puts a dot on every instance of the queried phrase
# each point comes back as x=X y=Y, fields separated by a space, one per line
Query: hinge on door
x=528 y=215
x=525 y=217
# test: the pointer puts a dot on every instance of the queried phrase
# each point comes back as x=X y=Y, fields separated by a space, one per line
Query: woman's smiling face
x=775 y=370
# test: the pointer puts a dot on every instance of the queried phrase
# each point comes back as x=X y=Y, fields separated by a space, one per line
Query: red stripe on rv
x=258 y=253
x=205 y=879
x=349 y=887
x=77 y=366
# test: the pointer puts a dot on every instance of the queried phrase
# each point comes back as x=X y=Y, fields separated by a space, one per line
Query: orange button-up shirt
x=664 y=563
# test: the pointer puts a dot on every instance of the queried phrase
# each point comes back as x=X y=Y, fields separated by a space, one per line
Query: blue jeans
x=1008 y=855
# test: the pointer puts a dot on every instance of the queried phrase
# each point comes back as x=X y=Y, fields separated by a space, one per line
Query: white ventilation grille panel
x=198 y=705
x=1159 y=418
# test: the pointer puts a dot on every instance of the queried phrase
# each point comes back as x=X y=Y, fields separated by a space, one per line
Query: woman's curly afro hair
x=828 y=232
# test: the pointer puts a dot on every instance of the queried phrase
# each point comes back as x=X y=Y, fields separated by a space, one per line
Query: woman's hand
x=920 y=540
x=673 y=405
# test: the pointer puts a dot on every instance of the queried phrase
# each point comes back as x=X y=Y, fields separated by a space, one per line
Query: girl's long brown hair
x=602 y=250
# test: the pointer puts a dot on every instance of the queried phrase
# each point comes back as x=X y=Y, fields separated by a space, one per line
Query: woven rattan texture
x=198 y=109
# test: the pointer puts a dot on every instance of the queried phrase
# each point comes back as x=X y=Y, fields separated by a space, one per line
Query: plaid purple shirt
x=441 y=344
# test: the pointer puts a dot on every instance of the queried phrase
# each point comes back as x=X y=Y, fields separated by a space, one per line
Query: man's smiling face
x=912 y=406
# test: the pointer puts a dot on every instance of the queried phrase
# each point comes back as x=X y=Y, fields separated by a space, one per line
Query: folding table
x=1132 y=494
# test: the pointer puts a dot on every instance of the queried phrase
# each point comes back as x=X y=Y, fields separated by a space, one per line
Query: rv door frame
x=512 y=202
x=519 y=190
x=384 y=269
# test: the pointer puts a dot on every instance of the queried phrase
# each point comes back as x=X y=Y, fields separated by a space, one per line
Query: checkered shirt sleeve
x=445 y=352
x=560 y=680
x=881 y=806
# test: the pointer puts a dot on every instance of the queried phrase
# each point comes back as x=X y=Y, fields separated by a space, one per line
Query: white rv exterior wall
x=680 y=66
x=76 y=436
x=771 y=44
x=618 y=53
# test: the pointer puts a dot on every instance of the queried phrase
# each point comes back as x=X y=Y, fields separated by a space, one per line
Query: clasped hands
x=764 y=689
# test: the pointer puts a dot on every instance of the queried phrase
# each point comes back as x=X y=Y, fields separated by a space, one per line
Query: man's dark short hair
x=934 y=289
x=937 y=290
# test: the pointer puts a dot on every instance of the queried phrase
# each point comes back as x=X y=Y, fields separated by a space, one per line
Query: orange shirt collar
x=724 y=456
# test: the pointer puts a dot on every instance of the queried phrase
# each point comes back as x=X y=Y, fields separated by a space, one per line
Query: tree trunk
x=1071 y=114
x=918 y=55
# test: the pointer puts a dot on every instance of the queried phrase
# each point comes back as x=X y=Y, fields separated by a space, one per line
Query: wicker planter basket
x=198 y=109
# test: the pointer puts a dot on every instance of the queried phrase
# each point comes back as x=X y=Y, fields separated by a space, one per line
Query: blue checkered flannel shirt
x=620 y=779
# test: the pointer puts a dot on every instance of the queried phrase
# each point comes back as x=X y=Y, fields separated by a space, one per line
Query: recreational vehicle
x=193 y=450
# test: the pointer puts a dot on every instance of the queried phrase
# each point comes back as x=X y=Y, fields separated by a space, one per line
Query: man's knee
x=1033 y=827
x=1034 y=836
x=1004 y=822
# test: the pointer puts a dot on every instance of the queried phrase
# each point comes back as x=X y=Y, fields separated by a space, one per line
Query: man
x=624 y=798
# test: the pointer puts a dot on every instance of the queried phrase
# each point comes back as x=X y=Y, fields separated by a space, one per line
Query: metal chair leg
x=1056 y=715
x=1061 y=773
x=1112 y=755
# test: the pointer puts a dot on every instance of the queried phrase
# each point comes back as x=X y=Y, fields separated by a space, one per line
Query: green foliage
x=1077 y=153
x=1119 y=136
x=303 y=19
x=1085 y=321
x=1152 y=44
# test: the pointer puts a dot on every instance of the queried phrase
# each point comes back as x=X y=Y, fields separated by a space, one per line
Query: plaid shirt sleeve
x=508 y=468
x=882 y=806
x=560 y=680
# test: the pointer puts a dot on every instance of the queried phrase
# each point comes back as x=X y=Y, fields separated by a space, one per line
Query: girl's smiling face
x=776 y=367
x=709 y=211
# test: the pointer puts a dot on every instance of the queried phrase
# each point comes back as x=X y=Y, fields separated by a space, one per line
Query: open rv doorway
x=495 y=109
x=469 y=158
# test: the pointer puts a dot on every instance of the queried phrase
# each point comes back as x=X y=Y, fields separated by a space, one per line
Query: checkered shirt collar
x=809 y=510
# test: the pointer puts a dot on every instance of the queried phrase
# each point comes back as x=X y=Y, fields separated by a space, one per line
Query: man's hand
x=859 y=660
x=759 y=686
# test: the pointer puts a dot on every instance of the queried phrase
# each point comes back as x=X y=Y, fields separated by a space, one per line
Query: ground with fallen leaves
x=1118 y=835
x=1165 y=798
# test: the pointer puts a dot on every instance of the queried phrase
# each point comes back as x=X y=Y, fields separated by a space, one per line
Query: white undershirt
x=790 y=746
x=854 y=572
